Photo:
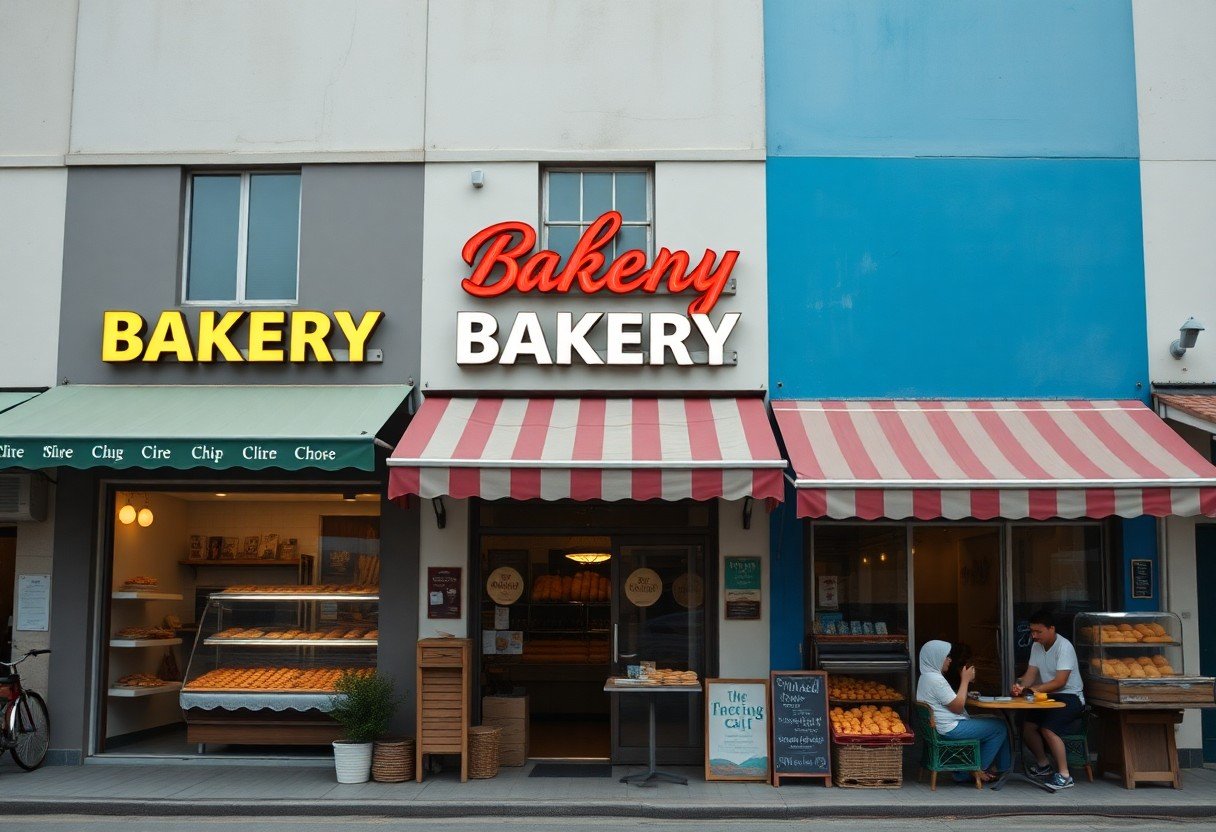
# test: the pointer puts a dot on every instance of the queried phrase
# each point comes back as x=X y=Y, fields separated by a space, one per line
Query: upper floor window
x=242 y=237
x=574 y=198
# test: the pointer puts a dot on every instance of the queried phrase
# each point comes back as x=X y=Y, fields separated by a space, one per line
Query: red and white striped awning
x=990 y=459
x=588 y=449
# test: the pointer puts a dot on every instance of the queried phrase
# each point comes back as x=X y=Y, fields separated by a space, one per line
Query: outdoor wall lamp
x=1189 y=335
x=441 y=513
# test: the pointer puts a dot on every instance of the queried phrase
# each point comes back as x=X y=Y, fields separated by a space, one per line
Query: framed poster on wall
x=742 y=581
x=736 y=729
x=443 y=592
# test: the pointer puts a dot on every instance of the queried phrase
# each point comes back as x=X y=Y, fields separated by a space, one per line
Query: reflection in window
x=1055 y=566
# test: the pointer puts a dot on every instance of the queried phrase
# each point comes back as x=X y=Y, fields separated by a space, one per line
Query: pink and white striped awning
x=990 y=459
x=588 y=449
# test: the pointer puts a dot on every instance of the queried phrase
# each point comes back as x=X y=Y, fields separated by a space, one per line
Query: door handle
x=615 y=655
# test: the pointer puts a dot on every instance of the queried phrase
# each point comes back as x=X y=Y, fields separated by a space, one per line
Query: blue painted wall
x=955 y=277
x=953 y=211
x=950 y=78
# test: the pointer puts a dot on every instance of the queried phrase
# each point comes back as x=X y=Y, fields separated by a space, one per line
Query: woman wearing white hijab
x=950 y=710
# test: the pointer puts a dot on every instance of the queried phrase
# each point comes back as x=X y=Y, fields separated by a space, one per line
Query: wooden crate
x=510 y=715
x=443 y=701
x=868 y=767
x=1178 y=690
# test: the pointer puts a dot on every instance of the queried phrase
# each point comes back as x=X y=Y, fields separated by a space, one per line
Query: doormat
x=571 y=770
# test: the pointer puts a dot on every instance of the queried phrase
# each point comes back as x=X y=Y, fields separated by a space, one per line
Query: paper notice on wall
x=33 y=602
x=502 y=618
x=828 y=588
x=489 y=643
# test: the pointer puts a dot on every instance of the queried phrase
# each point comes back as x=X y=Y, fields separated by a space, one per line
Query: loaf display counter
x=266 y=661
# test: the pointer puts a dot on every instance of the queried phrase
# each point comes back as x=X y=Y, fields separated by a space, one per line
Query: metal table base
x=644 y=777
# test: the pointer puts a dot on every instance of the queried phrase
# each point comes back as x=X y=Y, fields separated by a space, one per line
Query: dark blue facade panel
x=950 y=78
x=954 y=278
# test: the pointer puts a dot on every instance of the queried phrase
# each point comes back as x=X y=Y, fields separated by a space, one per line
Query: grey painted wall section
x=360 y=249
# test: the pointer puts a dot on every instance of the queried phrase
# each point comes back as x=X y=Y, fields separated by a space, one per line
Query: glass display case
x=266 y=659
x=1135 y=658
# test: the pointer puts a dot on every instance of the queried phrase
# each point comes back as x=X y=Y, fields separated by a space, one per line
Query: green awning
x=199 y=426
x=11 y=398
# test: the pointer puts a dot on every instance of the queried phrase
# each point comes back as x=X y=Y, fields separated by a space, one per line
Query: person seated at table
x=950 y=715
x=1053 y=670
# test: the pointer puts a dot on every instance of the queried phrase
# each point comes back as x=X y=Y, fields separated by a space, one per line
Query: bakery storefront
x=958 y=520
x=593 y=456
x=237 y=557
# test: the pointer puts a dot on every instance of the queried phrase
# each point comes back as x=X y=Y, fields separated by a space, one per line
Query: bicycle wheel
x=31 y=731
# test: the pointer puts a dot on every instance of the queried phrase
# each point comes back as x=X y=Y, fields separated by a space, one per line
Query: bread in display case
x=1135 y=658
x=266 y=660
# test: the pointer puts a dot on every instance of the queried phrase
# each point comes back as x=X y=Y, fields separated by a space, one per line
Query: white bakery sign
x=503 y=261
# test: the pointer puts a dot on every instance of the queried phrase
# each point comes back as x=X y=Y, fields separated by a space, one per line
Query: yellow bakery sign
x=258 y=336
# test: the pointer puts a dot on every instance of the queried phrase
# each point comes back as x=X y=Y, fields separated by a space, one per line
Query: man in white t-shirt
x=1053 y=670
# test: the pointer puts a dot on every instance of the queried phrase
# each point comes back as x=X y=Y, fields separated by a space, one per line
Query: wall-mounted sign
x=736 y=729
x=503 y=261
x=742 y=588
x=270 y=337
x=443 y=592
x=1142 y=578
x=643 y=587
x=504 y=586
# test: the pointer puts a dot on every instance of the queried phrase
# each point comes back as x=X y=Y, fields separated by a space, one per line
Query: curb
x=588 y=810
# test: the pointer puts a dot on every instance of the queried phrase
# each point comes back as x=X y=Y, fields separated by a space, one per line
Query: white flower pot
x=353 y=761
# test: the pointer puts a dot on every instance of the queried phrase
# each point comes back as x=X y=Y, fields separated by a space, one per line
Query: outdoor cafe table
x=1014 y=707
x=615 y=686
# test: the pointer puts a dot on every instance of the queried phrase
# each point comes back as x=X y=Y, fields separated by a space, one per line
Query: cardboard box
x=504 y=707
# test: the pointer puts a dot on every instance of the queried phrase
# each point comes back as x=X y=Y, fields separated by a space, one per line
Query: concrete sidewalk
x=260 y=790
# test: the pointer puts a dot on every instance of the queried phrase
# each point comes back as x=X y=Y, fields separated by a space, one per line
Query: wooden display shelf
x=291 y=642
x=269 y=691
x=144 y=595
x=854 y=702
x=241 y=562
x=261 y=727
x=1164 y=692
x=133 y=693
x=144 y=642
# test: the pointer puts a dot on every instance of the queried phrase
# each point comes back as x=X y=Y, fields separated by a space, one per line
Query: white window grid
x=583 y=222
x=242 y=241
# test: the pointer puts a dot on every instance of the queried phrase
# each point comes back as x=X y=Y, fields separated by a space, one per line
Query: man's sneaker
x=1040 y=771
x=1058 y=781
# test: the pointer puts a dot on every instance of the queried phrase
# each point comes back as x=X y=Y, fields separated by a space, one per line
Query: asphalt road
x=70 y=823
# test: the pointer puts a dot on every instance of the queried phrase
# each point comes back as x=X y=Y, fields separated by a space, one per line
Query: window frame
x=242 y=241
x=545 y=223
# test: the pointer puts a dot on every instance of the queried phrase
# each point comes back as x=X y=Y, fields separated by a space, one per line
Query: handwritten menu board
x=800 y=725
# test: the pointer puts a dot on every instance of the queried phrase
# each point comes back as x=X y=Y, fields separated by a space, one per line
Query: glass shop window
x=860 y=575
x=573 y=199
x=243 y=236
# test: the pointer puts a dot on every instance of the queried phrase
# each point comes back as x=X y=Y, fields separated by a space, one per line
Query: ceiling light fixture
x=589 y=557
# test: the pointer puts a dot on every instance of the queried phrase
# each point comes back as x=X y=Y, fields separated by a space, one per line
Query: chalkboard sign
x=800 y=725
x=1142 y=578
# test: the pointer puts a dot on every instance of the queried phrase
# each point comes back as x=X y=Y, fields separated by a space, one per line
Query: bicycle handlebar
x=29 y=654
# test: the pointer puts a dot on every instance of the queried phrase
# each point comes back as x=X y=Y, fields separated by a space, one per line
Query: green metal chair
x=941 y=754
x=1076 y=745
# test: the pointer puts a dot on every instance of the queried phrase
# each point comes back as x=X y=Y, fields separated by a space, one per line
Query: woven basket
x=483 y=752
x=862 y=767
x=393 y=761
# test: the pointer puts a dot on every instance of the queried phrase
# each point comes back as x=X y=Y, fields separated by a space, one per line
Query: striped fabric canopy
x=990 y=459
x=588 y=449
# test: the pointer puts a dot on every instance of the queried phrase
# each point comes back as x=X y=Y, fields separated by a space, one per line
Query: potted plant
x=363 y=706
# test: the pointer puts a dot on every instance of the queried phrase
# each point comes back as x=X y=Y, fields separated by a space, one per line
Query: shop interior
x=973 y=585
x=173 y=551
x=576 y=623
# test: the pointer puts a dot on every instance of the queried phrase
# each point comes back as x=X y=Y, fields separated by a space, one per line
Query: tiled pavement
x=231 y=788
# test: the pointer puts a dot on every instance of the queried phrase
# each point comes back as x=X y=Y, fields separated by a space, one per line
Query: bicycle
x=26 y=726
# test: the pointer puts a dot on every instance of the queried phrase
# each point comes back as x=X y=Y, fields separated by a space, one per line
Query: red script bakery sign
x=503 y=260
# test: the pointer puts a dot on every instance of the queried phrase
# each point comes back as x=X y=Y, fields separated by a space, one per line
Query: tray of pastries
x=1140 y=667
x=666 y=676
x=289 y=634
x=301 y=589
x=140 y=680
x=137 y=582
x=142 y=633
x=273 y=679
x=1126 y=634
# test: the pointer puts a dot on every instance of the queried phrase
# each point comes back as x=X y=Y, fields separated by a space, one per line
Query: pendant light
x=145 y=517
x=589 y=557
x=127 y=514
